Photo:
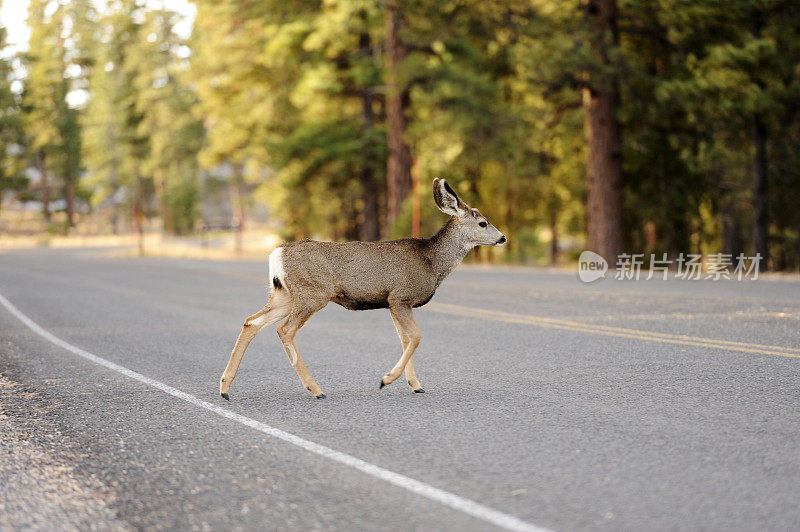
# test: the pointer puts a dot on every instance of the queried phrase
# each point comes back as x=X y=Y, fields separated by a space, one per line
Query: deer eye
x=482 y=224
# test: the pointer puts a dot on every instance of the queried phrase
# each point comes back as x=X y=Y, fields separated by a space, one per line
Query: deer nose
x=501 y=241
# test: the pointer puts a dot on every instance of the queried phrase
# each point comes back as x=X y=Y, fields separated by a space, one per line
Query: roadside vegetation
x=613 y=125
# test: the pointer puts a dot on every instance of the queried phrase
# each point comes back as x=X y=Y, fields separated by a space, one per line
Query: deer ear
x=447 y=200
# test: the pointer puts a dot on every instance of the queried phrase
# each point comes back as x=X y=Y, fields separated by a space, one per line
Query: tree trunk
x=758 y=136
x=112 y=178
x=370 y=226
x=350 y=230
x=238 y=192
x=731 y=243
x=553 y=237
x=138 y=227
x=604 y=172
x=415 y=219
x=138 y=214
x=69 y=196
x=398 y=164
x=158 y=181
x=759 y=174
x=797 y=255
x=44 y=186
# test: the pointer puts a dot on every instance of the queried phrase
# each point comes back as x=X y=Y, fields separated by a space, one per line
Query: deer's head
x=474 y=229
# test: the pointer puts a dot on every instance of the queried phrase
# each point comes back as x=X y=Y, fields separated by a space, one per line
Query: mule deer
x=398 y=275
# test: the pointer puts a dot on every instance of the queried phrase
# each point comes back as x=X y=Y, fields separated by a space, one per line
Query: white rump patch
x=276 y=266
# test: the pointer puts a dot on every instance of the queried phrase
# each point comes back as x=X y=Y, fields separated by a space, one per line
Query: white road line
x=451 y=500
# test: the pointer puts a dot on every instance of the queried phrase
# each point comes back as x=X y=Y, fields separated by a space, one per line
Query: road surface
x=550 y=404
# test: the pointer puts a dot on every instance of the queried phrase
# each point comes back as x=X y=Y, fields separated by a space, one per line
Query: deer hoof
x=320 y=396
x=382 y=384
x=419 y=390
x=225 y=396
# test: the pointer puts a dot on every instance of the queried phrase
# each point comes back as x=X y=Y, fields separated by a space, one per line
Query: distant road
x=550 y=404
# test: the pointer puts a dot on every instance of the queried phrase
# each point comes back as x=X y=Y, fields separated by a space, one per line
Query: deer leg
x=411 y=376
x=407 y=328
x=276 y=308
x=287 y=332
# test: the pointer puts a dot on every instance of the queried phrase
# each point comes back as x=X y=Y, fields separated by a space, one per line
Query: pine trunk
x=238 y=191
x=44 y=186
x=553 y=237
x=759 y=174
x=758 y=136
x=370 y=226
x=112 y=178
x=398 y=164
x=158 y=181
x=138 y=214
x=69 y=197
x=604 y=168
x=731 y=243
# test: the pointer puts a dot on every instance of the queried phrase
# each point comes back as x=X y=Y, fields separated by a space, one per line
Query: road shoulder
x=41 y=489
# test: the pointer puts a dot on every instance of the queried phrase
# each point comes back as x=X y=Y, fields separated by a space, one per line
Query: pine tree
x=115 y=146
x=398 y=164
x=165 y=103
x=43 y=94
x=56 y=66
x=11 y=135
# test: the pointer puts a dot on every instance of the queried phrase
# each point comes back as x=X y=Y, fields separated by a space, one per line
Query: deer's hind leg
x=411 y=377
x=287 y=331
x=277 y=308
x=409 y=336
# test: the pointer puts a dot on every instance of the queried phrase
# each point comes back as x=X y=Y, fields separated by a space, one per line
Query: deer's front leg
x=411 y=375
x=409 y=336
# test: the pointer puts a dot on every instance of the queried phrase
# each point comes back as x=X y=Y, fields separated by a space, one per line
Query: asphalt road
x=660 y=405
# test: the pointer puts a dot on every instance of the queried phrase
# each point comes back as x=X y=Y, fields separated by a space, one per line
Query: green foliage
x=291 y=96
x=11 y=140
x=56 y=66
x=140 y=135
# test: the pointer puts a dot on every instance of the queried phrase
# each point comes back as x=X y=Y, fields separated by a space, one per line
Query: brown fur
x=363 y=275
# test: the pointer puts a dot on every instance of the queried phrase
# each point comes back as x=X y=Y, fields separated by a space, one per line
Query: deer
x=400 y=275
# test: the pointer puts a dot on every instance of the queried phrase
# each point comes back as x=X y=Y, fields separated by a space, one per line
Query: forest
x=636 y=126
